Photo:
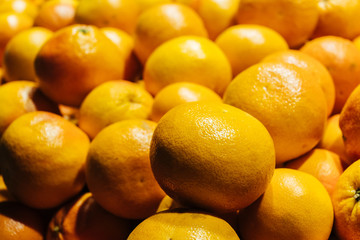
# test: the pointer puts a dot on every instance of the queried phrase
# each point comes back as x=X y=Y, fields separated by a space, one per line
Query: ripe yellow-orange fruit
x=341 y=58
x=345 y=200
x=312 y=66
x=10 y=24
x=338 y=18
x=294 y=206
x=326 y=166
x=287 y=100
x=42 y=159
x=118 y=170
x=350 y=125
x=183 y=224
x=212 y=156
x=294 y=20
x=332 y=139
x=111 y=102
x=187 y=59
x=75 y=60
x=120 y=14
x=85 y=219
x=20 y=53
x=247 y=44
x=163 y=22
x=179 y=93
x=20 y=97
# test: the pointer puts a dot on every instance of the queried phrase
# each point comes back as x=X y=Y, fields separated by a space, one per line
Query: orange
x=179 y=93
x=187 y=59
x=163 y=22
x=311 y=65
x=332 y=139
x=75 y=60
x=345 y=200
x=20 y=97
x=42 y=159
x=120 y=14
x=294 y=20
x=338 y=18
x=19 y=6
x=20 y=222
x=217 y=15
x=349 y=125
x=11 y=24
x=183 y=224
x=84 y=219
x=125 y=43
x=20 y=53
x=247 y=44
x=56 y=14
x=118 y=170
x=287 y=100
x=294 y=206
x=212 y=156
x=111 y=102
x=324 y=165
x=342 y=59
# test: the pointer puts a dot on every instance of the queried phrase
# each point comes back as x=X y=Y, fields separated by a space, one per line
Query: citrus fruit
x=294 y=20
x=247 y=44
x=120 y=14
x=341 y=57
x=187 y=59
x=111 y=102
x=75 y=60
x=19 y=6
x=324 y=165
x=20 y=222
x=338 y=18
x=163 y=22
x=217 y=15
x=311 y=65
x=349 y=125
x=42 y=159
x=183 y=224
x=84 y=219
x=287 y=100
x=294 y=206
x=345 y=200
x=56 y=14
x=20 y=97
x=20 y=53
x=10 y=24
x=125 y=43
x=332 y=139
x=118 y=170
x=203 y=155
x=179 y=93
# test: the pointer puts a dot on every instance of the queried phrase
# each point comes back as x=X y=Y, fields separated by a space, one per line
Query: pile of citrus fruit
x=179 y=119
